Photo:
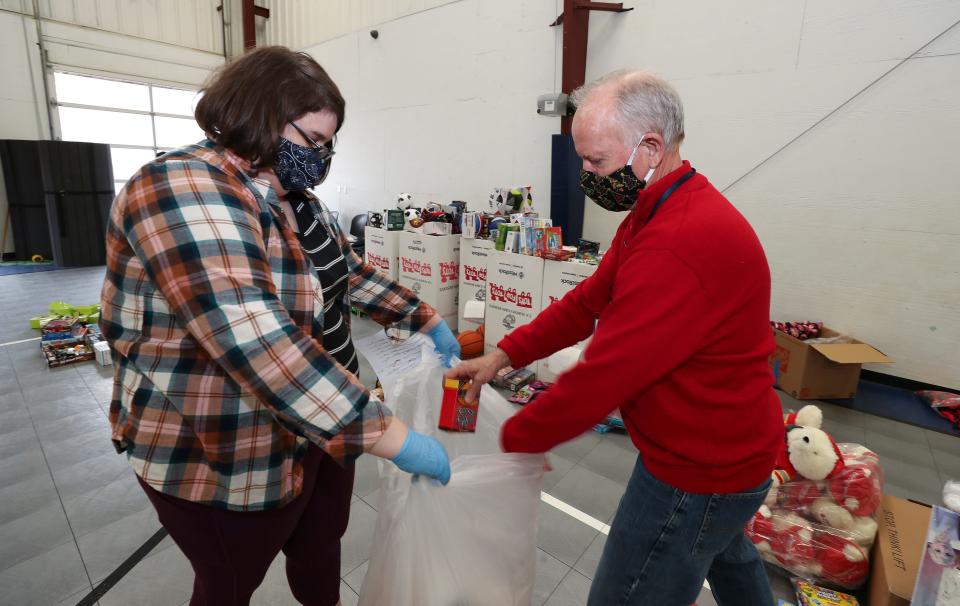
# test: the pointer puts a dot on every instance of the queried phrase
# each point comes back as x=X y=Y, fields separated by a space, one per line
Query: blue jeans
x=664 y=542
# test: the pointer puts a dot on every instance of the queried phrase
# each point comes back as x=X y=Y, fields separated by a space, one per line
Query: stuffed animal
x=792 y=544
x=841 y=560
x=830 y=513
x=404 y=201
x=857 y=485
x=799 y=495
x=863 y=530
x=808 y=450
x=760 y=530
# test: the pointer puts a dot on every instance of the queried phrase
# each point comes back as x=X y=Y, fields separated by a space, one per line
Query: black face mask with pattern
x=299 y=168
x=618 y=190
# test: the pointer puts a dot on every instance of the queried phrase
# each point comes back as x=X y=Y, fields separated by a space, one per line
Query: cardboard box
x=473 y=277
x=430 y=267
x=559 y=278
x=514 y=292
x=898 y=550
x=381 y=249
x=821 y=371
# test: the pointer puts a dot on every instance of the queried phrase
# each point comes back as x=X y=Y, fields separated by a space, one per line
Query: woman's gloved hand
x=445 y=343
x=424 y=455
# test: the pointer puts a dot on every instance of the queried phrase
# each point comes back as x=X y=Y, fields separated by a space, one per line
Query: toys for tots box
x=473 y=277
x=381 y=250
x=559 y=278
x=821 y=370
x=430 y=267
x=514 y=289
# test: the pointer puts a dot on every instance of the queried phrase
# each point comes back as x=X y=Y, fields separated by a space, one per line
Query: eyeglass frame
x=326 y=153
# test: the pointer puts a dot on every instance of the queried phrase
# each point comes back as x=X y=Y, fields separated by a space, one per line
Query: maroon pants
x=231 y=551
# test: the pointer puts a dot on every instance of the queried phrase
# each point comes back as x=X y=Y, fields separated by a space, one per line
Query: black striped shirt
x=332 y=272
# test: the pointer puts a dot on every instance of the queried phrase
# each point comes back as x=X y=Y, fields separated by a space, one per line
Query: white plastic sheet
x=470 y=543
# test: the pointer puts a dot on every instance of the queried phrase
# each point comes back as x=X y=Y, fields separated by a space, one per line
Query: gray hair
x=643 y=103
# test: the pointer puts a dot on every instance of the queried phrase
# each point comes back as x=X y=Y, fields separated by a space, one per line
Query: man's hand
x=480 y=370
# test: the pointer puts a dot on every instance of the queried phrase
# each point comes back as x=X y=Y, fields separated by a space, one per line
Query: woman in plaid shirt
x=240 y=425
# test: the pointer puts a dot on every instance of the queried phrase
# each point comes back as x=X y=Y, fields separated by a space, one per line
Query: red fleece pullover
x=679 y=310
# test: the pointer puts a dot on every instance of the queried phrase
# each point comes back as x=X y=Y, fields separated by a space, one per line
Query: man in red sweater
x=679 y=313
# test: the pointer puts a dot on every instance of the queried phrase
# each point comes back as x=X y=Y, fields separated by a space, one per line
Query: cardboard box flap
x=851 y=353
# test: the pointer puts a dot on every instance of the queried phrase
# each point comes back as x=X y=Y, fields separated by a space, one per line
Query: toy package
x=511 y=200
x=938 y=580
x=456 y=414
x=823 y=529
x=809 y=594
x=588 y=250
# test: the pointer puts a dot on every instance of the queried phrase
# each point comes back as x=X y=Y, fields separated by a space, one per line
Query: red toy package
x=456 y=414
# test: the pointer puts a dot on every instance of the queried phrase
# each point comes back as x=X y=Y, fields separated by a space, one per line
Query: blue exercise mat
x=897 y=404
x=10 y=268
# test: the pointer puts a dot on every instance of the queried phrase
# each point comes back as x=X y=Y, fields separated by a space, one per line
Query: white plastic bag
x=472 y=542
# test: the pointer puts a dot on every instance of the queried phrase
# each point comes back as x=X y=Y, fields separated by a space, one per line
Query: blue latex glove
x=424 y=455
x=445 y=343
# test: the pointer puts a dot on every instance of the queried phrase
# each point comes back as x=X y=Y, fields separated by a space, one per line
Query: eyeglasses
x=324 y=151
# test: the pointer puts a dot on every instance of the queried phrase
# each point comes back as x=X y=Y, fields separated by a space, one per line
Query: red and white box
x=473 y=278
x=430 y=267
x=514 y=291
x=381 y=250
x=559 y=278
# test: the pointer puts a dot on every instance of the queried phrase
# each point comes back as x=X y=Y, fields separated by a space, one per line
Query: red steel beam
x=249 y=17
x=576 y=25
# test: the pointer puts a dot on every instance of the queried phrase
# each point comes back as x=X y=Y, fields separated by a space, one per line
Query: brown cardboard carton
x=897 y=553
x=820 y=371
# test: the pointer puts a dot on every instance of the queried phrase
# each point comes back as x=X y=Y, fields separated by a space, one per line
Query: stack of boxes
x=430 y=267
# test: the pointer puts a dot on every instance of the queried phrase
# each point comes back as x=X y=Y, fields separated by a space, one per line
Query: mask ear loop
x=633 y=155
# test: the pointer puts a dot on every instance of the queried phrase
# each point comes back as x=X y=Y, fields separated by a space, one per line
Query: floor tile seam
x=17 y=562
x=153 y=552
x=940 y=472
x=121 y=518
x=43 y=452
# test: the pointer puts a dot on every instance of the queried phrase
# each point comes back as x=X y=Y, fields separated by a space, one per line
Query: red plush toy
x=857 y=486
x=799 y=495
x=760 y=529
x=841 y=560
x=792 y=544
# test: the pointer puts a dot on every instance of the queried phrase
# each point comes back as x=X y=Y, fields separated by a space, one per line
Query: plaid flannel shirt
x=215 y=315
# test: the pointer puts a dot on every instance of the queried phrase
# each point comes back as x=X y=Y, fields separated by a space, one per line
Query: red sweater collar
x=649 y=196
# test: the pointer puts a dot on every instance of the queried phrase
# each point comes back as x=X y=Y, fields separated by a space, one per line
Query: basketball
x=471 y=343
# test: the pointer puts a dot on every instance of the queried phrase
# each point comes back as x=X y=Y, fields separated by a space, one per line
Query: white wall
x=299 y=24
x=860 y=217
x=22 y=112
x=171 y=42
x=443 y=105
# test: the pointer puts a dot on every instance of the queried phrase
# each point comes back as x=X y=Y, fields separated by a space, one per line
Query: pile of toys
x=434 y=219
x=70 y=334
x=800 y=330
x=819 y=519
x=510 y=221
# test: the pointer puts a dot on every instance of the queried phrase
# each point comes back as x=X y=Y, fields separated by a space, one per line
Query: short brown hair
x=248 y=102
